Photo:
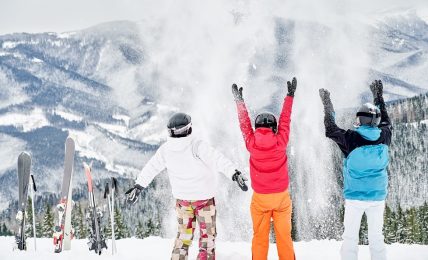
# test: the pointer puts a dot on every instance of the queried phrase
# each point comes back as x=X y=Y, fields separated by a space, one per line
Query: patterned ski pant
x=188 y=212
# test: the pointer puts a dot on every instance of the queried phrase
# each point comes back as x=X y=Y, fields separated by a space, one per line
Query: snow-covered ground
x=155 y=248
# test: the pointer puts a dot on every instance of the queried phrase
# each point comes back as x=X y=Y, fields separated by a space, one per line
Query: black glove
x=240 y=179
x=291 y=87
x=326 y=101
x=237 y=93
x=377 y=89
x=133 y=193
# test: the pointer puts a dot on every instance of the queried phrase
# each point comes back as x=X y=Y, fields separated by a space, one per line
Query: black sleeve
x=385 y=122
x=335 y=133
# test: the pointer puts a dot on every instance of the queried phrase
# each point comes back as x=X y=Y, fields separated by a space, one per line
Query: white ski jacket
x=192 y=166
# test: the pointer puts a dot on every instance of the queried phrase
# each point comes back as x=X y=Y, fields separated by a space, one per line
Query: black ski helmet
x=180 y=125
x=266 y=120
x=368 y=114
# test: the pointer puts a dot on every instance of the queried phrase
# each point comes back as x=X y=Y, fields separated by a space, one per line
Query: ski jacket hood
x=369 y=132
x=268 y=158
x=264 y=138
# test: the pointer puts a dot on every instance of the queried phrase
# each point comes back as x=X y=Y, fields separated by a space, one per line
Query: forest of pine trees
x=402 y=226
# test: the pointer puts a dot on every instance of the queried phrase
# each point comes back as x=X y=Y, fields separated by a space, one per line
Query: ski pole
x=34 y=189
x=113 y=188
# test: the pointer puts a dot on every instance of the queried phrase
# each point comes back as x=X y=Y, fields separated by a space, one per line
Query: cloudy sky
x=62 y=15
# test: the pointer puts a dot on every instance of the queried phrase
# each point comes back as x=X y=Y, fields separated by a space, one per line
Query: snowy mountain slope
x=155 y=248
x=400 y=50
x=55 y=84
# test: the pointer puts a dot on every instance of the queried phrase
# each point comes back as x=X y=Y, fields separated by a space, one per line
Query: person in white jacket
x=192 y=166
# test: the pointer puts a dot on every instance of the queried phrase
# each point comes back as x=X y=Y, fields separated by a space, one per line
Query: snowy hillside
x=155 y=248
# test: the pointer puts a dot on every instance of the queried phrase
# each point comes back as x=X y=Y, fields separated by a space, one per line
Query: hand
x=377 y=88
x=240 y=179
x=237 y=93
x=133 y=193
x=326 y=101
x=291 y=87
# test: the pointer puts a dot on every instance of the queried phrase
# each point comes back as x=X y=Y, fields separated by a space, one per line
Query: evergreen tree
x=401 y=226
x=29 y=221
x=390 y=225
x=364 y=240
x=120 y=229
x=413 y=227
x=423 y=212
x=39 y=226
x=4 y=231
x=48 y=222
x=139 y=233
x=78 y=222
x=152 y=228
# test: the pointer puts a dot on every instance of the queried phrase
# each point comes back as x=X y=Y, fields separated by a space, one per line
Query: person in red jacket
x=267 y=146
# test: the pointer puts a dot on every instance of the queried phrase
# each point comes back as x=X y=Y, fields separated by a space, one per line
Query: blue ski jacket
x=366 y=157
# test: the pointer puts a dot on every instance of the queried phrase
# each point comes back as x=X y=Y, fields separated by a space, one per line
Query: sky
x=61 y=15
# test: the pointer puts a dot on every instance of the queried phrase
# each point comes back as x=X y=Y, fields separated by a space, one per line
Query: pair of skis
x=109 y=192
x=96 y=238
x=63 y=231
x=24 y=175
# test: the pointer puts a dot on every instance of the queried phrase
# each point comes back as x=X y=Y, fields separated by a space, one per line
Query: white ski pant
x=354 y=210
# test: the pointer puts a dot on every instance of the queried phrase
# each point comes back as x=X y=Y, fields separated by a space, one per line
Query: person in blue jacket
x=365 y=176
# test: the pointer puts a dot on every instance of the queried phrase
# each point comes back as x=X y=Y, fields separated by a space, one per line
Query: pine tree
x=424 y=223
x=413 y=227
x=401 y=226
x=152 y=228
x=390 y=225
x=78 y=222
x=39 y=226
x=48 y=222
x=4 y=231
x=29 y=221
x=364 y=231
x=139 y=233
x=120 y=229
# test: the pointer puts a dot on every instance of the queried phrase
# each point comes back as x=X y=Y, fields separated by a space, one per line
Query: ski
x=109 y=192
x=96 y=239
x=62 y=232
x=24 y=168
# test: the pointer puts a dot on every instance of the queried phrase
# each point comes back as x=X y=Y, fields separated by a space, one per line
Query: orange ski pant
x=275 y=206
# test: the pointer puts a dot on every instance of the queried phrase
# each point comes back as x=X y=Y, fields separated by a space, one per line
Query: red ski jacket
x=268 y=158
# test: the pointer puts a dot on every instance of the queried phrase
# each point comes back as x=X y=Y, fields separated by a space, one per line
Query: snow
x=124 y=118
x=68 y=116
x=65 y=35
x=36 y=60
x=154 y=248
x=10 y=45
x=27 y=121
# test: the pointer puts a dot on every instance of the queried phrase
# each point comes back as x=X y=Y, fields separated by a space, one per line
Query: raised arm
x=154 y=166
x=285 y=117
x=332 y=131
x=385 y=123
x=244 y=119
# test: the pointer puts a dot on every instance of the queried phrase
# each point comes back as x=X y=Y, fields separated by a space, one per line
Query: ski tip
x=24 y=156
x=114 y=183
x=86 y=166
x=69 y=141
